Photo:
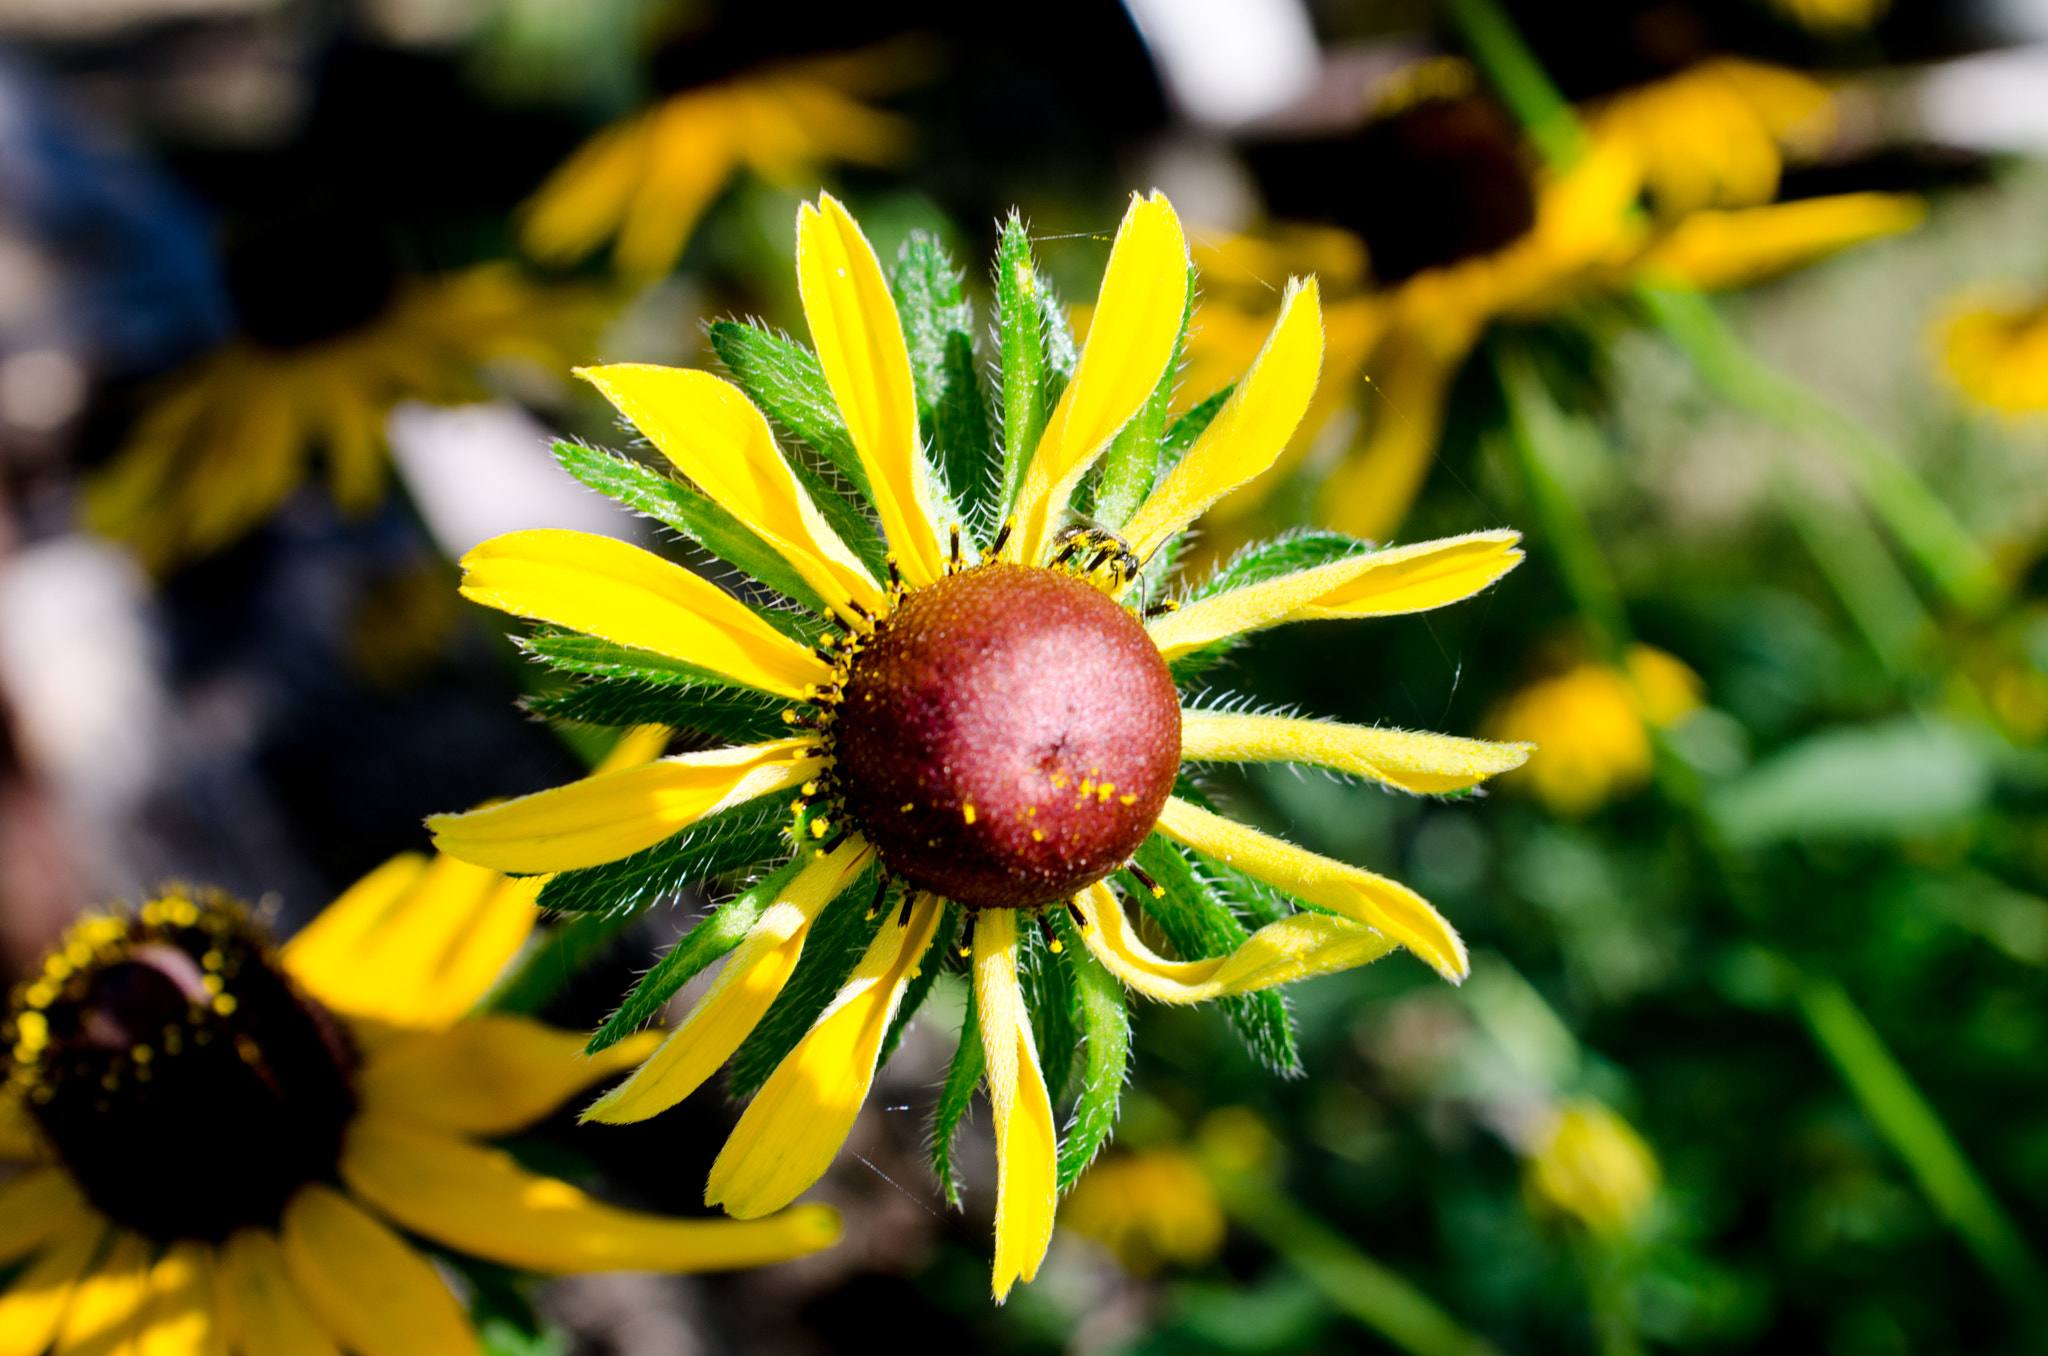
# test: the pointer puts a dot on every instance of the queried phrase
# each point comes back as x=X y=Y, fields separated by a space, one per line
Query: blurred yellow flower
x=234 y=432
x=645 y=181
x=1591 y=727
x=1832 y=18
x=1997 y=354
x=1586 y=1162
x=1707 y=145
x=1152 y=1209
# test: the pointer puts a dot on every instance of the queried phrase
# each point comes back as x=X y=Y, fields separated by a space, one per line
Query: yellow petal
x=34 y=1206
x=35 y=1304
x=1027 y=1146
x=746 y=987
x=860 y=345
x=265 y=1309
x=1378 y=584
x=481 y=1202
x=641 y=744
x=1251 y=430
x=109 y=1302
x=183 y=1319
x=416 y=942
x=1131 y=339
x=1296 y=947
x=628 y=596
x=18 y=1140
x=582 y=201
x=1712 y=250
x=1371 y=492
x=610 y=815
x=793 y=1128
x=716 y=437
x=365 y=1285
x=1388 y=906
x=490 y=1075
x=1427 y=764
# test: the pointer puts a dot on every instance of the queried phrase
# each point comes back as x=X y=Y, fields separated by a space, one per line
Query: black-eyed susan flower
x=229 y=436
x=1593 y=723
x=221 y=1141
x=1152 y=1208
x=975 y=712
x=1583 y=1161
x=644 y=182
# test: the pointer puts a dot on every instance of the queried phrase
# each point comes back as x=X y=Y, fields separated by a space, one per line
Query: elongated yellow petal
x=365 y=1285
x=1250 y=432
x=793 y=1128
x=716 y=437
x=610 y=815
x=17 y=1132
x=490 y=1075
x=1130 y=341
x=1719 y=249
x=416 y=942
x=265 y=1310
x=1379 y=903
x=109 y=1302
x=482 y=1202
x=1027 y=1145
x=623 y=594
x=34 y=1306
x=1428 y=764
x=1297 y=947
x=183 y=1319
x=641 y=744
x=860 y=346
x=747 y=985
x=1378 y=584
x=34 y=1206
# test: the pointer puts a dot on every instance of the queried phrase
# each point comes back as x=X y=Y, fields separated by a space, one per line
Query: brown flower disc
x=1007 y=737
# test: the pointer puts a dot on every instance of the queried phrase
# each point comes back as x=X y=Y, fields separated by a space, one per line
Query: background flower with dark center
x=225 y=1139
x=983 y=714
x=333 y=336
x=644 y=182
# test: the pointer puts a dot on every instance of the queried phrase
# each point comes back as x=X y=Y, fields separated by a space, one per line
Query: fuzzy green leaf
x=729 y=841
x=929 y=967
x=714 y=935
x=834 y=947
x=1104 y=1022
x=1303 y=549
x=938 y=328
x=1131 y=465
x=1182 y=432
x=1020 y=327
x=1048 y=996
x=722 y=713
x=1199 y=924
x=689 y=511
x=784 y=379
x=569 y=652
x=963 y=1075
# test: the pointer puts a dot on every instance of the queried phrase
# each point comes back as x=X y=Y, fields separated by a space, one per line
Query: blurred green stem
x=1540 y=432
x=1873 y=590
x=1915 y=1131
x=1922 y=523
x=1351 y=1281
x=1521 y=81
x=550 y=959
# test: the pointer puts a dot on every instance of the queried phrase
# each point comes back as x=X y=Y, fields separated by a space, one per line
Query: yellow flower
x=233 y=433
x=647 y=179
x=223 y=1141
x=1997 y=354
x=1707 y=144
x=1832 y=18
x=993 y=725
x=1152 y=1209
x=1586 y=1162
x=1592 y=726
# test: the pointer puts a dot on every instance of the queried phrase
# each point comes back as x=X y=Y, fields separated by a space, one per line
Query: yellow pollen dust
x=967 y=812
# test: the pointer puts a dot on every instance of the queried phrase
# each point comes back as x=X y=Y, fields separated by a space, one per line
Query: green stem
x=1938 y=543
x=1910 y=1124
x=1513 y=70
x=1539 y=432
x=551 y=958
x=1352 y=1282
x=1872 y=589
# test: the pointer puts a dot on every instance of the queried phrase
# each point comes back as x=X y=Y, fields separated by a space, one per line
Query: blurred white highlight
x=1229 y=62
x=477 y=471
x=1996 y=101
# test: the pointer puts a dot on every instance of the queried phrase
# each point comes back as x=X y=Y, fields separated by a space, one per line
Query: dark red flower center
x=181 y=1077
x=1007 y=737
